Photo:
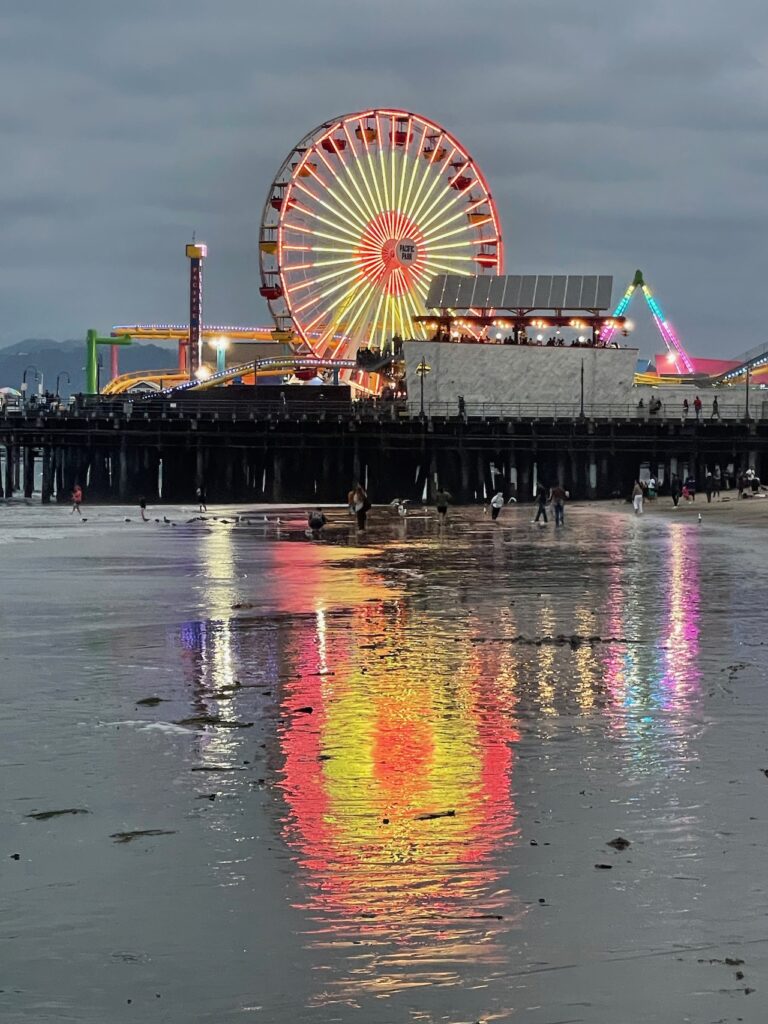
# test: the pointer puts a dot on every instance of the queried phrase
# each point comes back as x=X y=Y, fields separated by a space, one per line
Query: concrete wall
x=520 y=373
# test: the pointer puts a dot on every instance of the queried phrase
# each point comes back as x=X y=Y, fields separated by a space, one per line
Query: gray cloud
x=613 y=136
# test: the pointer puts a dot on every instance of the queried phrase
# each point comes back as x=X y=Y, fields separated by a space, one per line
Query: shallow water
x=489 y=706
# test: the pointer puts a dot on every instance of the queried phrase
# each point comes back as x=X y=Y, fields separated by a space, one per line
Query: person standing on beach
x=359 y=505
x=675 y=489
x=442 y=498
x=541 y=501
x=201 y=503
x=558 y=496
x=143 y=509
x=716 y=481
x=709 y=486
x=637 y=498
x=497 y=504
x=77 y=499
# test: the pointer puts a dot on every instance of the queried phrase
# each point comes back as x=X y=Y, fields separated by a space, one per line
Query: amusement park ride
x=364 y=212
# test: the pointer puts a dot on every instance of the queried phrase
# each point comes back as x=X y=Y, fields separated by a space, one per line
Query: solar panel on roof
x=527 y=288
x=496 y=291
x=588 y=291
x=604 y=289
x=435 y=293
x=572 y=292
x=452 y=282
x=466 y=288
x=542 y=290
x=480 y=296
x=512 y=291
x=557 y=291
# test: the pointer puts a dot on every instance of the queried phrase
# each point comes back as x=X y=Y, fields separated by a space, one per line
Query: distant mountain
x=53 y=357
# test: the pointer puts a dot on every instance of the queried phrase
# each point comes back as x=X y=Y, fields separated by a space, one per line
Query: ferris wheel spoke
x=405 y=202
x=356 y=166
x=418 y=212
x=309 y=212
x=440 y=224
x=351 y=213
x=356 y=209
x=314 y=281
x=433 y=173
x=443 y=202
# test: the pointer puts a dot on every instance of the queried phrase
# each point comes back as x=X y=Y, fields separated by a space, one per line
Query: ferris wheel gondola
x=362 y=214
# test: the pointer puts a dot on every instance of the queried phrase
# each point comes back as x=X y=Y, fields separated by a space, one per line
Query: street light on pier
x=63 y=373
x=24 y=382
x=422 y=370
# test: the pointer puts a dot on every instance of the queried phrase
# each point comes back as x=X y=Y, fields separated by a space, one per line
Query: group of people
x=685 y=488
x=520 y=338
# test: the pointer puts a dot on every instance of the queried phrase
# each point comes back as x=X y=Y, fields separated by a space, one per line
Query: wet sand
x=378 y=776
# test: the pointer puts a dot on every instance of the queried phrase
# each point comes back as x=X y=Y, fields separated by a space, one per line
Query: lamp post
x=63 y=373
x=24 y=383
x=422 y=370
x=99 y=365
x=581 y=412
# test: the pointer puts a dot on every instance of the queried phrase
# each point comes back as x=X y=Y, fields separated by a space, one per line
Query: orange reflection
x=397 y=736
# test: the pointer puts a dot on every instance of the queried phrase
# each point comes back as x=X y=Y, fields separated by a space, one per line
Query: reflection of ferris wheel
x=363 y=213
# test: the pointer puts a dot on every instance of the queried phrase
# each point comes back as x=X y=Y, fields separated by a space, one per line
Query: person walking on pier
x=77 y=499
x=715 y=409
x=359 y=504
x=558 y=496
x=697 y=407
x=637 y=498
x=201 y=502
x=685 y=408
x=541 y=501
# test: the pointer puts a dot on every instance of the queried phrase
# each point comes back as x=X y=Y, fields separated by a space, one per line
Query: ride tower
x=196 y=253
x=675 y=347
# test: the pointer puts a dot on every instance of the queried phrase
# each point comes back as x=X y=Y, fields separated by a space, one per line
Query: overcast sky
x=614 y=135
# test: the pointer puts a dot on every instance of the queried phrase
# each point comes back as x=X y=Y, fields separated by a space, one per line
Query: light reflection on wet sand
x=445 y=732
x=414 y=713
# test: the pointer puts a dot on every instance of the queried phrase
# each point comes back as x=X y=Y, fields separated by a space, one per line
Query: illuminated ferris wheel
x=363 y=213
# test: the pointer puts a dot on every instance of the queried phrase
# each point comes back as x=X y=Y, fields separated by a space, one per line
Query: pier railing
x=123 y=407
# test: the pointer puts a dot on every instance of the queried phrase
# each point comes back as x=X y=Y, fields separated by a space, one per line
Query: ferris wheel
x=362 y=214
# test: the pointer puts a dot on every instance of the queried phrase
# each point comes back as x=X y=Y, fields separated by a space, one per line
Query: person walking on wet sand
x=541 y=501
x=201 y=502
x=77 y=499
x=359 y=505
x=497 y=504
x=637 y=498
x=442 y=498
x=143 y=509
x=558 y=496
